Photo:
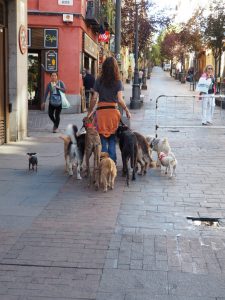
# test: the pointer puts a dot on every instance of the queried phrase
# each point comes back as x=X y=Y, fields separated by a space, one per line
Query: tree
x=147 y=23
x=213 y=28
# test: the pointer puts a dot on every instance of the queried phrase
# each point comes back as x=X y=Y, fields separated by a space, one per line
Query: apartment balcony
x=93 y=14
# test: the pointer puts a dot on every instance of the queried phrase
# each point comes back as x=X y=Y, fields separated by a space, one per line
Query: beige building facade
x=13 y=70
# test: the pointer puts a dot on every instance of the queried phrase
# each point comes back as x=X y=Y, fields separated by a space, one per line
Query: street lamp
x=135 y=100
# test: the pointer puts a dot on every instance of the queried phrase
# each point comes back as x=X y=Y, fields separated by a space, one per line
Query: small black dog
x=128 y=146
x=33 y=161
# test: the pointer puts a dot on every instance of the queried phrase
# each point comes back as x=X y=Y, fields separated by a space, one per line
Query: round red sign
x=23 y=39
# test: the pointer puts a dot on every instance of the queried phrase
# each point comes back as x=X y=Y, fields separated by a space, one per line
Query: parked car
x=166 y=67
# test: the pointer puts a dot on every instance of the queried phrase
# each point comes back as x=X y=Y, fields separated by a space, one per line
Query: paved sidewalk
x=62 y=240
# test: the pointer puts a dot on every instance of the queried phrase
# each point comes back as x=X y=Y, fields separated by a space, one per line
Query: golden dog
x=92 y=145
x=108 y=171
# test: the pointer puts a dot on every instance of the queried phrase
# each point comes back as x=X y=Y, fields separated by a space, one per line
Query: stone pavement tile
x=181 y=284
x=110 y=296
x=124 y=281
x=142 y=296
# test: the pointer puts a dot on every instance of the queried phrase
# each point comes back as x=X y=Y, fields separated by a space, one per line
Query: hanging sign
x=65 y=2
x=105 y=37
x=51 y=61
x=51 y=38
x=23 y=39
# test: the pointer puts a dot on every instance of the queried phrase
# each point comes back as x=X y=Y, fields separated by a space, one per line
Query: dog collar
x=162 y=155
x=90 y=125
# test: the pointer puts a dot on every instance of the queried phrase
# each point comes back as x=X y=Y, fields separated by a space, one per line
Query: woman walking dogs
x=108 y=90
x=206 y=87
x=53 y=89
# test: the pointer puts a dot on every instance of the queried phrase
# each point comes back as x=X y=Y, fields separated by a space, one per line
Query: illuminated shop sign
x=51 y=61
x=51 y=38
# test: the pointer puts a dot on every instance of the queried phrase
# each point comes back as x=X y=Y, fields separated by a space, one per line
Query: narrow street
x=63 y=240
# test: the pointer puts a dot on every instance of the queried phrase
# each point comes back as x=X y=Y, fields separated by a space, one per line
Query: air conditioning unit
x=68 y=18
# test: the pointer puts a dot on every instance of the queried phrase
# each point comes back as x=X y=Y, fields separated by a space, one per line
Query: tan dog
x=108 y=171
x=92 y=145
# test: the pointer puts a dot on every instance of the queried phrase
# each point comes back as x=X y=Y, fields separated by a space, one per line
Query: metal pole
x=144 y=85
x=118 y=30
x=135 y=101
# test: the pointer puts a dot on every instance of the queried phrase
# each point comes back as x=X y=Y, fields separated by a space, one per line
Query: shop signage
x=23 y=39
x=105 y=37
x=51 y=38
x=90 y=46
x=65 y=2
x=51 y=61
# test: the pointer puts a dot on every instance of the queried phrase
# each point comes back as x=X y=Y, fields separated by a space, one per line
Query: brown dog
x=92 y=145
x=108 y=171
x=144 y=153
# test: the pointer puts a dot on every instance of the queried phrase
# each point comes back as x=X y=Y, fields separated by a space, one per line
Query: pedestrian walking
x=206 y=87
x=140 y=76
x=88 y=82
x=55 y=102
x=108 y=90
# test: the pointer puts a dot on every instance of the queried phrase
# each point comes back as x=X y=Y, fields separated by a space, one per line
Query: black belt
x=106 y=107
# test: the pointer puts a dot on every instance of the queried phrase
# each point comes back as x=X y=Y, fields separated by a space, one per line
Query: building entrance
x=34 y=80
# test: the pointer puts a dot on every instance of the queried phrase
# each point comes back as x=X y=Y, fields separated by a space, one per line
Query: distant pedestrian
x=55 y=102
x=206 y=87
x=88 y=82
x=140 y=76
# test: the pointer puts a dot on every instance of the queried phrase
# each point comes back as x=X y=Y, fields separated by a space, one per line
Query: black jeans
x=54 y=114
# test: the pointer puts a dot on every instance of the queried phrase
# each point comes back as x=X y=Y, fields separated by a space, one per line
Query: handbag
x=65 y=102
x=55 y=100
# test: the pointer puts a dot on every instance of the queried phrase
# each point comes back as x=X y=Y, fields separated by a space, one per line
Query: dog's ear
x=75 y=129
x=31 y=153
x=104 y=155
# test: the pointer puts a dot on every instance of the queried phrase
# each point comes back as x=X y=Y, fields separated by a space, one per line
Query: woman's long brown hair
x=110 y=72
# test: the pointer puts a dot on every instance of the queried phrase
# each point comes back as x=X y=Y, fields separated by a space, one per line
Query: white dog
x=169 y=161
x=159 y=145
x=73 y=152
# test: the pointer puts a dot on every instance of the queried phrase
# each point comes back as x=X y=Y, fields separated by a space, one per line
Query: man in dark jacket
x=89 y=82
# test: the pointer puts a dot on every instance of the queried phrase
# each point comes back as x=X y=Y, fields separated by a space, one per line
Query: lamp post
x=135 y=101
x=144 y=85
x=118 y=30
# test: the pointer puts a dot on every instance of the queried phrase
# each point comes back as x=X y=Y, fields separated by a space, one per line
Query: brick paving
x=63 y=240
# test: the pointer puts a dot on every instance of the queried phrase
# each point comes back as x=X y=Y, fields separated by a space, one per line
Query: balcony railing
x=93 y=13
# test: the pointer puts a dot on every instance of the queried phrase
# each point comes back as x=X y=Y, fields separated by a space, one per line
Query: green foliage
x=148 y=24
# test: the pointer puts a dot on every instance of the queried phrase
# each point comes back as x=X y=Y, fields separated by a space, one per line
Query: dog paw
x=70 y=173
x=79 y=177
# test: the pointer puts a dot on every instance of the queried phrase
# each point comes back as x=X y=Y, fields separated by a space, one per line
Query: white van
x=166 y=67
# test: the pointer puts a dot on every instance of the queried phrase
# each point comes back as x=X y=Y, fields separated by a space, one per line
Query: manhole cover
x=213 y=222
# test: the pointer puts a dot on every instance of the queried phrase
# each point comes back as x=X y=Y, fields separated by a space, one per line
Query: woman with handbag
x=106 y=97
x=206 y=87
x=54 y=89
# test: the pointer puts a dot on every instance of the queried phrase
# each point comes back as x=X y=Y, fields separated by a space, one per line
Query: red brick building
x=62 y=37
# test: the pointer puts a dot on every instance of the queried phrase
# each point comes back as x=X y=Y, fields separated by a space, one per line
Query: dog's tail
x=71 y=131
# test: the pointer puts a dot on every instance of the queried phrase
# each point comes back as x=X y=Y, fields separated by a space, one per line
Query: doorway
x=34 y=80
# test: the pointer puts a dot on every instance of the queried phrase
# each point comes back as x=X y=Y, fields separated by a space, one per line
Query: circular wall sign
x=23 y=39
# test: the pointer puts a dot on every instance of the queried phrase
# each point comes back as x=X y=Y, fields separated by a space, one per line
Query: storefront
x=90 y=54
x=42 y=57
x=61 y=41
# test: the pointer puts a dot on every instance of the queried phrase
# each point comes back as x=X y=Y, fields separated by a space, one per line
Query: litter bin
x=182 y=77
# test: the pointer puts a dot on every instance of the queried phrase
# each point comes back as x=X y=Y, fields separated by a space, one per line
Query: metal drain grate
x=213 y=222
